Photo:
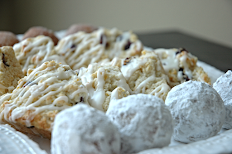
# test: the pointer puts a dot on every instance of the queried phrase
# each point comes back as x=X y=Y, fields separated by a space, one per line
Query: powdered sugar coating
x=197 y=109
x=143 y=121
x=84 y=130
x=223 y=86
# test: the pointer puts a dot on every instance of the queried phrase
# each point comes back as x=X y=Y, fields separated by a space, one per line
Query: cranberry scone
x=32 y=52
x=144 y=74
x=81 y=49
x=180 y=66
x=104 y=83
x=40 y=96
x=10 y=70
x=144 y=122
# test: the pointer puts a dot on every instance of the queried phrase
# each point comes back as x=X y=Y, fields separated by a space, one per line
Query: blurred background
x=208 y=19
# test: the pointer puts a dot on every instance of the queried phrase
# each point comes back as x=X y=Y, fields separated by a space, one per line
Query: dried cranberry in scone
x=81 y=49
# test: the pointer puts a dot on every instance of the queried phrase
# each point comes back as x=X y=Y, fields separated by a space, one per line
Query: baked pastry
x=40 y=96
x=7 y=38
x=180 y=66
x=10 y=70
x=39 y=30
x=32 y=52
x=144 y=74
x=197 y=109
x=80 y=27
x=81 y=49
x=84 y=130
x=143 y=121
x=104 y=83
x=223 y=86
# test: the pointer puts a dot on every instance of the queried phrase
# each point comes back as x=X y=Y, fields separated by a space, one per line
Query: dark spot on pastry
x=163 y=63
x=126 y=61
x=31 y=127
x=185 y=77
x=107 y=45
x=181 y=50
x=194 y=100
x=29 y=83
x=181 y=69
x=97 y=146
x=103 y=41
x=4 y=61
x=127 y=46
x=73 y=46
x=81 y=99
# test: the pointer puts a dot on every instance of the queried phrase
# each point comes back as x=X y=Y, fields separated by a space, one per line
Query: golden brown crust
x=30 y=130
x=38 y=30
x=181 y=66
x=7 y=38
x=200 y=75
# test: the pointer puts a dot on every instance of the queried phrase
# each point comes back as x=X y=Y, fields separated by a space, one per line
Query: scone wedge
x=40 y=96
x=10 y=70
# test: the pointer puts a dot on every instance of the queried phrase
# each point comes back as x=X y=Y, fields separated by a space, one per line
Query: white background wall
x=210 y=19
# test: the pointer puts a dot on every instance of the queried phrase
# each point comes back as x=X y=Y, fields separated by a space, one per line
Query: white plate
x=217 y=144
x=14 y=142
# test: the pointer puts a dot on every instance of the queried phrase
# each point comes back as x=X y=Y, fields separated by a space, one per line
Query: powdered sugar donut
x=143 y=121
x=223 y=86
x=82 y=129
x=197 y=109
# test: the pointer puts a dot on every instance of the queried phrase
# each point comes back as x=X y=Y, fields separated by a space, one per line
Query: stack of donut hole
x=9 y=39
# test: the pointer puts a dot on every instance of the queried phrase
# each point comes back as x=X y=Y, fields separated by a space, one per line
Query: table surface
x=211 y=53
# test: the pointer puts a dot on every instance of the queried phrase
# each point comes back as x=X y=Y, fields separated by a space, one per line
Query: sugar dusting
x=143 y=121
x=197 y=109
x=83 y=129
